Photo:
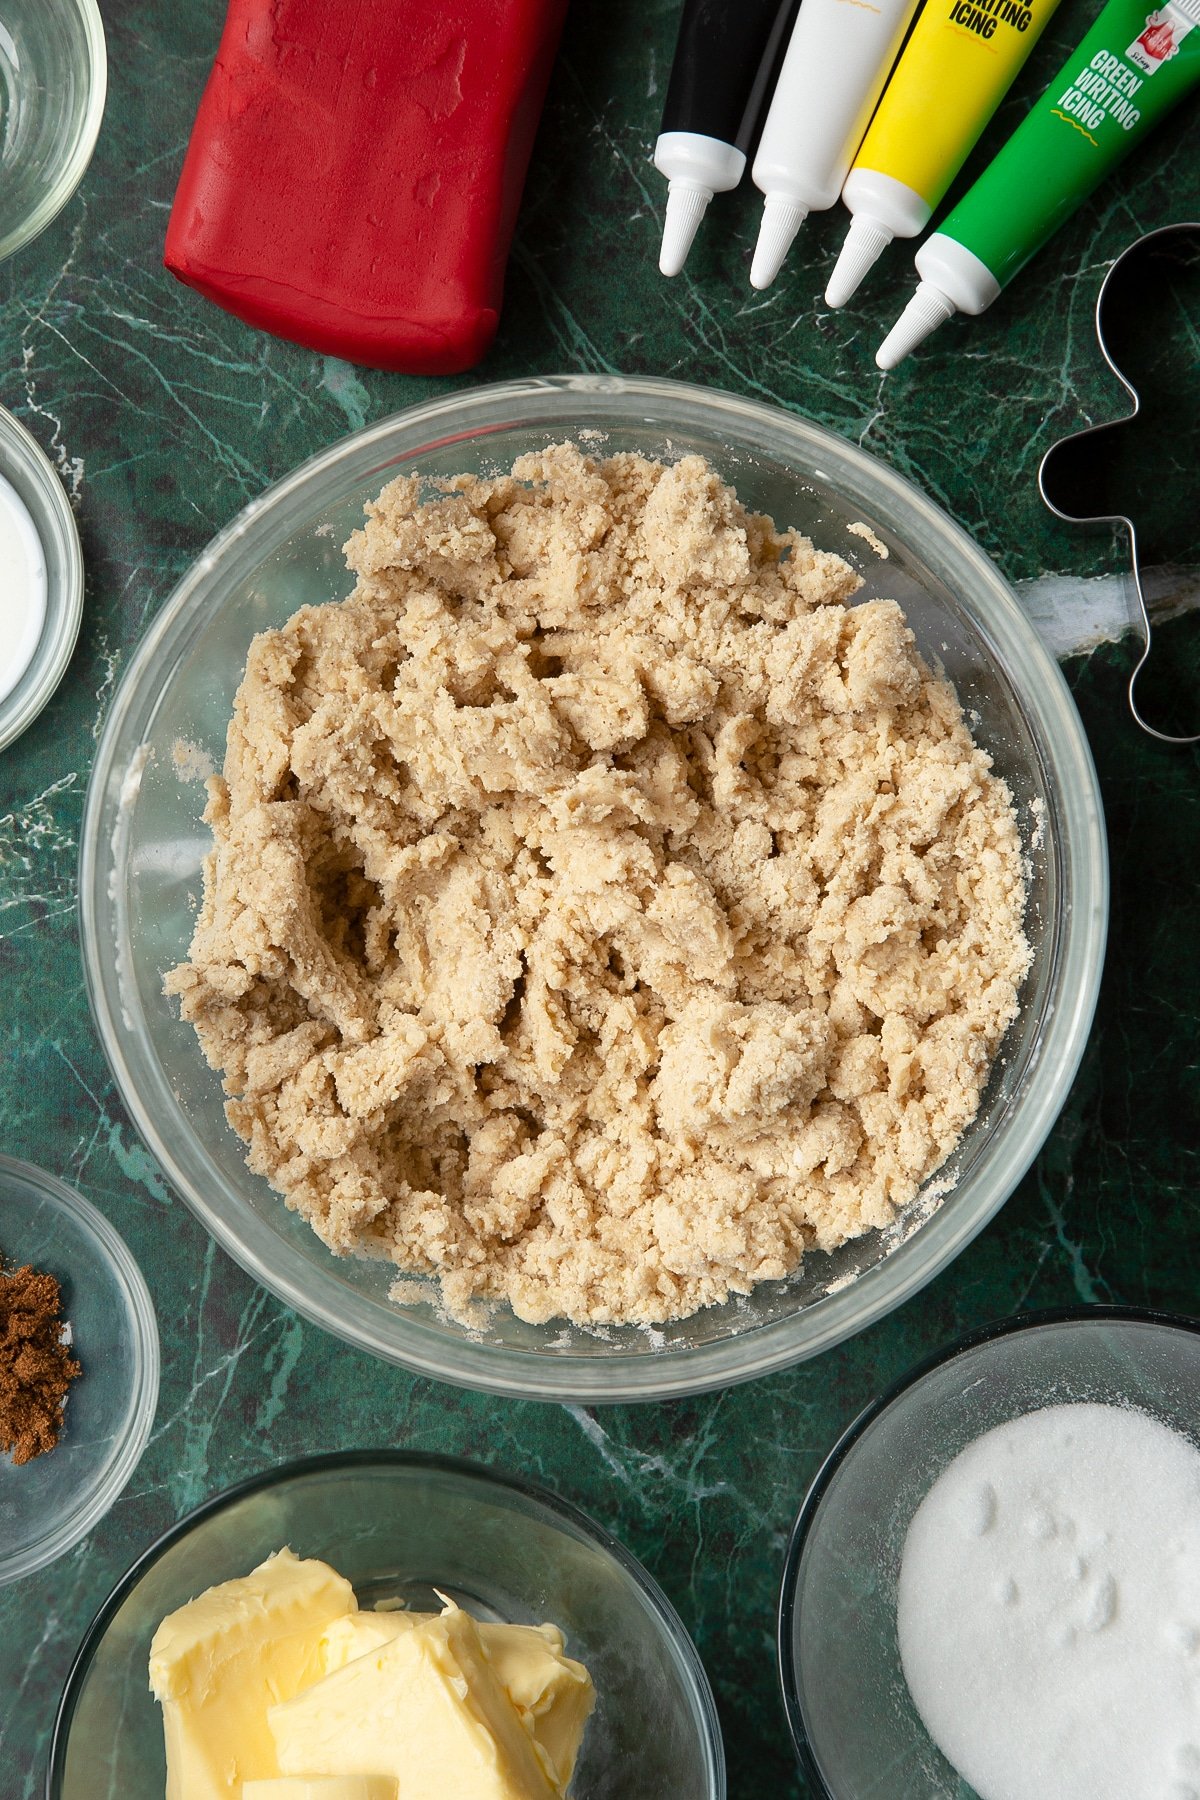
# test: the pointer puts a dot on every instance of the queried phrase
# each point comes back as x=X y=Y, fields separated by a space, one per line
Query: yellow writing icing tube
x=961 y=60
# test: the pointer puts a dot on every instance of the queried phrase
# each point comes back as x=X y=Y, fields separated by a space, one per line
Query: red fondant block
x=355 y=169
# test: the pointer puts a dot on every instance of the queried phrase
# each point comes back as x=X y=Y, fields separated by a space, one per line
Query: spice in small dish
x=36 y=1365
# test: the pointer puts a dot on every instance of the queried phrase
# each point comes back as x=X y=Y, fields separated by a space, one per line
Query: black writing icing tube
x=725 y=58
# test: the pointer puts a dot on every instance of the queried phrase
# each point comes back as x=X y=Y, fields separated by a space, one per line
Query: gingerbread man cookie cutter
x=1103 y=474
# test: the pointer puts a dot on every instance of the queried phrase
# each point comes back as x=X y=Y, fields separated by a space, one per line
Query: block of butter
x=427 y=1708
x=219 y=1662
x=321 y=1787
x=553 y=1694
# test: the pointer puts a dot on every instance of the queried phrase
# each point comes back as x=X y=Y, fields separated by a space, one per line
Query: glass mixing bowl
x=856 y=1731
x=143 y=841
x=53 y=80
x=399 y=1526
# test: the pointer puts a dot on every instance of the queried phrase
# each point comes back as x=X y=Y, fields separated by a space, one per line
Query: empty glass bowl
x=49 y=1503
x=855 y=1728
x=53 y=80
x=399 y=1526
x=143 y=841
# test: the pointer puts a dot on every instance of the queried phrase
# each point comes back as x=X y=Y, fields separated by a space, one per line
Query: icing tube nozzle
x=928 y=308
x=686 y=206
x=865 y=243
x=781 y=221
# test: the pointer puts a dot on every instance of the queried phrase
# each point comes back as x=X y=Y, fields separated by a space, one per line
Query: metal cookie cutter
x=1148 y=324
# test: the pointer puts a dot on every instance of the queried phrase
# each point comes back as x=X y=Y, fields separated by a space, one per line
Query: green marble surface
x=163 y=416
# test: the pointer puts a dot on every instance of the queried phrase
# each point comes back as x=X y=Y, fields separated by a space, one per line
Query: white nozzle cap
x=686 y=205
x=927 y=309
x=781 y=221
x=865 y=243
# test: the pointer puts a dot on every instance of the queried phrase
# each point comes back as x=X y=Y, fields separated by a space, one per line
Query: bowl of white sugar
x=992 y=1591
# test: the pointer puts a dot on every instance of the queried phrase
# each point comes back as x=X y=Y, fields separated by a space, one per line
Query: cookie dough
x=603 y=912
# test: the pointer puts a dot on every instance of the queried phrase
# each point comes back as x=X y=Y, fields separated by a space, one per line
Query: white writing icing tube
x=838 y=59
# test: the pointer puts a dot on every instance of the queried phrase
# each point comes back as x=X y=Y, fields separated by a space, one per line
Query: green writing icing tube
x=1133 y=66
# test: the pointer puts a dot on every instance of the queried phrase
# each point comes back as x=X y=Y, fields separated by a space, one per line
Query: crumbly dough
x=603 y=913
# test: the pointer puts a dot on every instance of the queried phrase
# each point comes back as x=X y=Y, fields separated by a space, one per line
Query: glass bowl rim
x=114 y=1254
x=87 y=131
x=976 y=1338
x=664 y=1612
x=1061 y=747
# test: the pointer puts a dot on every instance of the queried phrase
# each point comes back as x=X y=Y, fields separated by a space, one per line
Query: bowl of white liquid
x=992 y=1591
x=41 y=579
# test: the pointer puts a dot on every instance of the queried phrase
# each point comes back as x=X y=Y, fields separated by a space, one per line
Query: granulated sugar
x=1049 y=1609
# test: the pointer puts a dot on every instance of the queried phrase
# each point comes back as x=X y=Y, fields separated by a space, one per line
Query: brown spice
x=36 y=1368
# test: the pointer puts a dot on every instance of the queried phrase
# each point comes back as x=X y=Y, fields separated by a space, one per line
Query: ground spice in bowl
x=36 y=1365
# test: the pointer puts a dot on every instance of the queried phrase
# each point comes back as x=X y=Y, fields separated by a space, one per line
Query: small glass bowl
x=143 y=842
x=24 y=465
x=857 y=1734
x=53 y=81
x=401 y=1525
x=48 y=1504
